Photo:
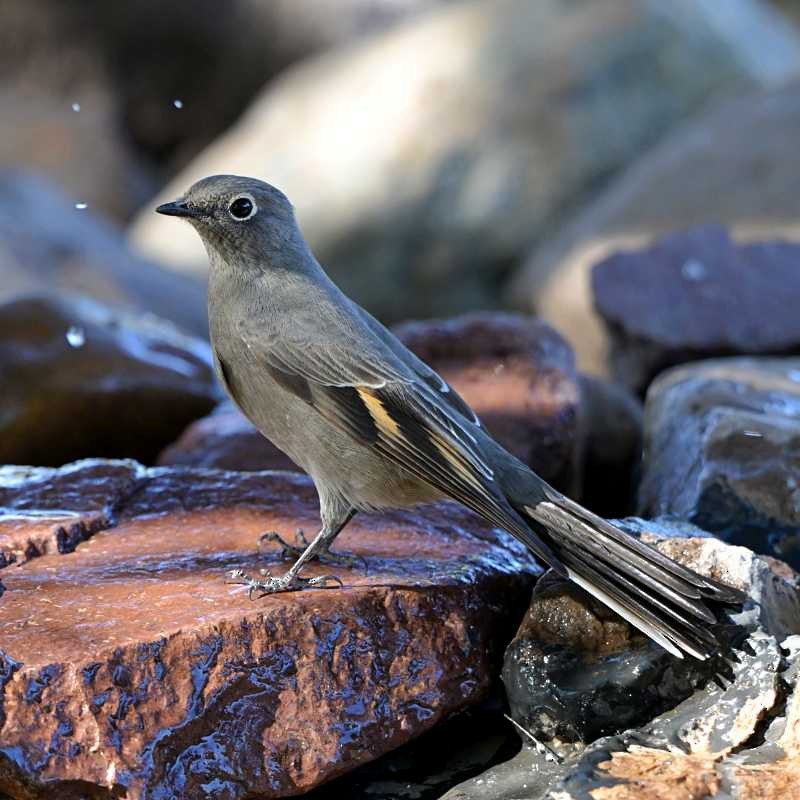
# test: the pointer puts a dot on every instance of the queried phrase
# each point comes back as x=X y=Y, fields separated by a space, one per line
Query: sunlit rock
x=130 y=664
x=423 y=163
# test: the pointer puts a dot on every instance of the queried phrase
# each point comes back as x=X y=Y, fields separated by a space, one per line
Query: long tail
x=657 y=595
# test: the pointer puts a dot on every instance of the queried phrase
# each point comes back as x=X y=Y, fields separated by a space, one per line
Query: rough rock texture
x=575 y=672
x=82 y=380
x=511 y=113
x=733 y=736
x=733 y=164
x=722 y=439
x=694 y=295
x=516 y=373
x=48 y=245
x=130 y=665
x=612 y=420
x=465 y=744
x=738 y=741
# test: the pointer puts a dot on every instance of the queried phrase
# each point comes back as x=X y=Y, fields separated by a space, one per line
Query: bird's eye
x=242 y=208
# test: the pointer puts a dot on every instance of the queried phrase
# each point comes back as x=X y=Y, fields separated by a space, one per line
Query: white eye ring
x=248 y=198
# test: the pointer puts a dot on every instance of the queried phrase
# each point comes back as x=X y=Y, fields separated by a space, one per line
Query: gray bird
x=375 y=427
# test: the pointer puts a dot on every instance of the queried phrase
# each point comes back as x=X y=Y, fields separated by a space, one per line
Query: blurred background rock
x=442 y=156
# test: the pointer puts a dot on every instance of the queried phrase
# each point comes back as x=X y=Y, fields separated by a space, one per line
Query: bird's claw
x=269 y=584
x=288 y=551
x=292 y=552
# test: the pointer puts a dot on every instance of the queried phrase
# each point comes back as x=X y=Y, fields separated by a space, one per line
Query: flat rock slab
x=129 y=667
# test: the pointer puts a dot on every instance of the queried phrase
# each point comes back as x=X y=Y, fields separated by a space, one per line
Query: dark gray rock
x=732 y=164
x=721 y=451
x=80 y=380
x=526 y=776
x=576 y=672
x=611 y=419
x=49 y=245
x=695 y=295
x=735 y=740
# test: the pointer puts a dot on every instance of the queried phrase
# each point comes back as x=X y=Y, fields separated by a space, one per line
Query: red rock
x=516 y=372
x=122 y=386
x=49 y=518
x=130 y=666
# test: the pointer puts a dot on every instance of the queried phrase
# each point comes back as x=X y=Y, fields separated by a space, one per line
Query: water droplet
x=76 y=337
x=694 y=270
x=177 y=103
x=81 y=206
x=753 y=434
x=76 y=107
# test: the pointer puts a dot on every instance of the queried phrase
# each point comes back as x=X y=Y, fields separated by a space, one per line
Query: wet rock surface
x=722 y=439
x=47 y=245
x=51 y=511
x=130 y=665
x=424 y=769
x=739 y=741
x=694 y=295
x=517 y=374
x=573 y=670
x=82 y=380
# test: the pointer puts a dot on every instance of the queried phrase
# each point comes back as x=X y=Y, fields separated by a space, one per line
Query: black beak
x=179 y=208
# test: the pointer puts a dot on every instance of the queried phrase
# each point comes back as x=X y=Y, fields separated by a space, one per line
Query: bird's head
x=235 y=215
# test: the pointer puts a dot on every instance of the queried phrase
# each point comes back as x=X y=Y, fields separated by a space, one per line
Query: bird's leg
x=332 y=524
x=324 y=554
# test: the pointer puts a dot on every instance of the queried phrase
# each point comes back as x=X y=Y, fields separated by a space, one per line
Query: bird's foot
x=291 y=552
x=269 y=584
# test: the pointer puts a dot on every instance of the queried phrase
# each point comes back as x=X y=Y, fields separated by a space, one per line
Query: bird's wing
x=385 y=405
x=446 y=393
